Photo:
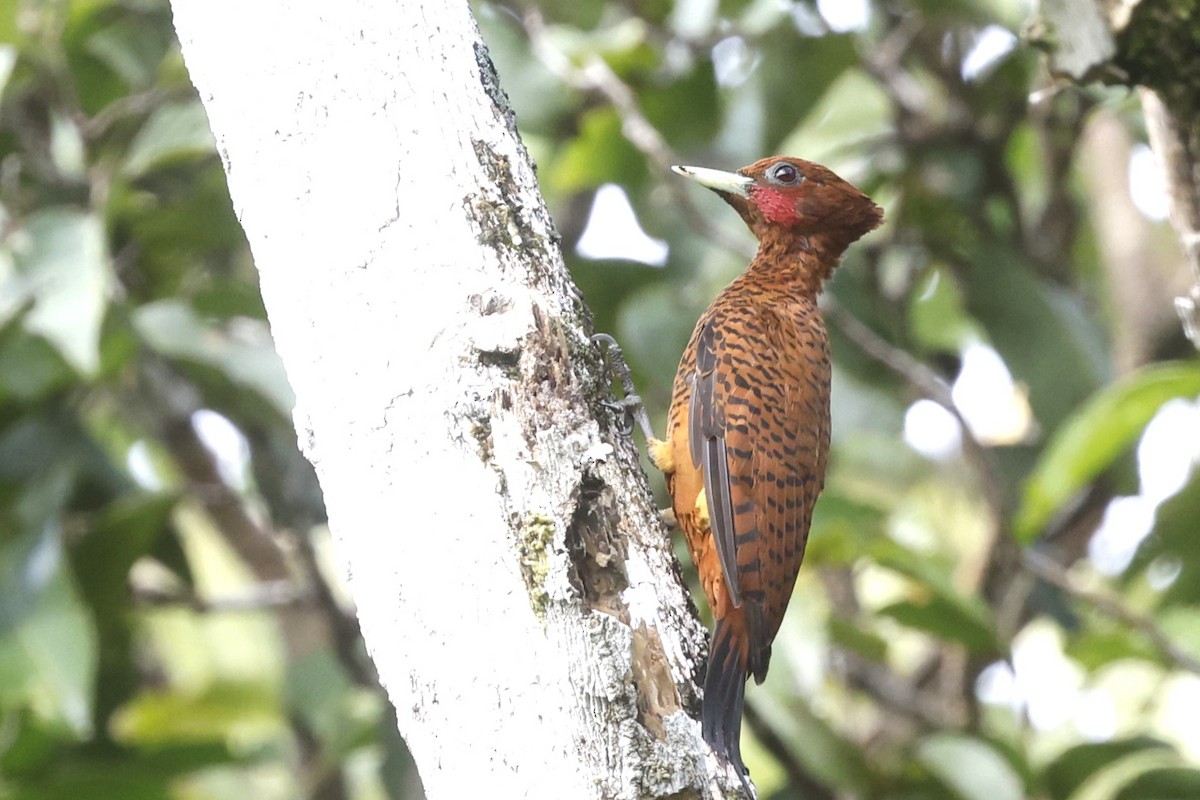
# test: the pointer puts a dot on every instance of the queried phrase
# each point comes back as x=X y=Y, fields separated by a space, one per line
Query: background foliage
x=964 y=627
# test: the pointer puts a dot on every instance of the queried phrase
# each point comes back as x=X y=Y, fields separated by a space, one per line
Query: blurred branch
x=1000 y=559
x=929 y=709
x=1053 y=573
x=288 y=485
x=343 y=624
x=884 y=63
x=173 y=402
x=138 y=104
x=1140 y=286
x=1058 y=118
x=905 y=696
x=800 y=780
x=1067 y=538
x=595 y=75
x=261 y=596
x=1177 y=145
x=926 y=383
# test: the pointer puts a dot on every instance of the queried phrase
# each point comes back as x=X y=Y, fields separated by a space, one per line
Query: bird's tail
x=724 y=693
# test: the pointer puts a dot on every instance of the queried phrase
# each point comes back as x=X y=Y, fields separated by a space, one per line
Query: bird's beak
x=728 y=182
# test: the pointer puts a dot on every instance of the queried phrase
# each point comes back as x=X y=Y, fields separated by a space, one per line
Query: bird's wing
x=758 y=431
x=707 y=440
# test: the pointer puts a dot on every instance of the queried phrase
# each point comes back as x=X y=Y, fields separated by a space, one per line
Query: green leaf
x=123 y=533
x=1177 y=783
x=132 y=47
x=653 y=329
x=599 y=154
x=841 y=527
x=1093 y=649
x=1025 y=157
x=796 y=72
x=1181 y=624
x=833 y=760
x=936 y=317
x=31 y=367
x=173 y=132
x=9 y=33
x=94 y=81
x=1074 y=766
x=846 y=634
x=681 y=109
x=944 y=619
x=62 y=265
x=100 y=781
x=943 y=611
x=1044 y=334
x=342 y=715
x=970 y=767
x=586 y=14
x=224 y=713
x=172 y=328
x=1109 y=781
x=608 y=283
x=853 y=110
x=47 y=644
x=42 y=455
x=181 y=221
x=117 y=775
x=227 y=298
x=26 y=562
x=1095 y=435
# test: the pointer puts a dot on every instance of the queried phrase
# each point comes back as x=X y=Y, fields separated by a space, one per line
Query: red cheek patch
x=775 y=206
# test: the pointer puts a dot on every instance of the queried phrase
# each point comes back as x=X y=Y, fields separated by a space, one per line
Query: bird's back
x=754 y=383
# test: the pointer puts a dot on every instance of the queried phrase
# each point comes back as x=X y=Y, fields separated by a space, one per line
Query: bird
x=747 y=440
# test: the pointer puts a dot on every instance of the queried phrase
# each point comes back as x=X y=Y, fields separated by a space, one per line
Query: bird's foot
x=630 y=406
x=667 y=517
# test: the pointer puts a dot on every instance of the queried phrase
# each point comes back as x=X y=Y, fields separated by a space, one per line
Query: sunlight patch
x=613 y=231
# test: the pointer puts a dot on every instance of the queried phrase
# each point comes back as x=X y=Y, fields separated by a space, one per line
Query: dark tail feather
x=724 y=695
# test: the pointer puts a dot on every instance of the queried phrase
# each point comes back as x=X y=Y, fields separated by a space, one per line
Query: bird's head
x=793 y=198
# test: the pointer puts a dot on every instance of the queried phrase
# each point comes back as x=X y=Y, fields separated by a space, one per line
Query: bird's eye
x=785 y=173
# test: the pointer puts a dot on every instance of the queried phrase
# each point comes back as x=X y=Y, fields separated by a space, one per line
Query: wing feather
x=758 y=432
x=707 y=443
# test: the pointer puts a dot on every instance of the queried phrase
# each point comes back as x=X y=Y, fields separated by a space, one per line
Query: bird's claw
x=606 y=340
x=630 y=406
x=617 y=406
x=627 y=407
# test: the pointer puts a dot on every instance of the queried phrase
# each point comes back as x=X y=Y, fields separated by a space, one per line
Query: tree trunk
x=515 y=589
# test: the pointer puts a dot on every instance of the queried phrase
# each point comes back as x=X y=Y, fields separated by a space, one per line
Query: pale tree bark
x=515 y=589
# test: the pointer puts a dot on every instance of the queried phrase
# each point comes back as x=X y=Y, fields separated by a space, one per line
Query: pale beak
x=728 y=182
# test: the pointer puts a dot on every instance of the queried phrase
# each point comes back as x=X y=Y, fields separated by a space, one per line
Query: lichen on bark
x=1159 y=48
